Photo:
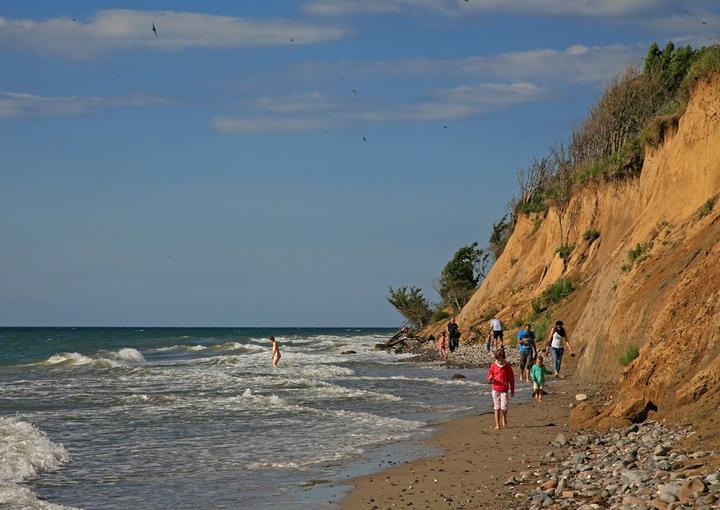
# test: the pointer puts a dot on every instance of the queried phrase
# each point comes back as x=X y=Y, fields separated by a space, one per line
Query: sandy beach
x=476 y=461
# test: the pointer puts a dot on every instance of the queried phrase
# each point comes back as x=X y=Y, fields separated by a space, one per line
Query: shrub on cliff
x=706 y=62
x=411 y=304
x=499 y=236
x=630 y=353
x=552 y=295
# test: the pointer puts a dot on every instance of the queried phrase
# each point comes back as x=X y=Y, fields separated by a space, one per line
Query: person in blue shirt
x=527 y=349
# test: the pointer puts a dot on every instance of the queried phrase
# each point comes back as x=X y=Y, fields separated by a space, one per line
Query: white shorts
x=500 y=400
x=537 y=387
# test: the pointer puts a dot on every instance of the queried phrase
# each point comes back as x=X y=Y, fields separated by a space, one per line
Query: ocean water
x=118 y=418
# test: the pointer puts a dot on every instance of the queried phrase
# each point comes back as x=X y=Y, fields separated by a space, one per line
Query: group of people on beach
x=532 y=367
x=449 y=339
x=532 y=360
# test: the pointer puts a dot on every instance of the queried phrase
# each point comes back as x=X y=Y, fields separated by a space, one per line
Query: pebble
x=632 y=468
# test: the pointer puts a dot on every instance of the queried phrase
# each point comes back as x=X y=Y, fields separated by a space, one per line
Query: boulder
x=348 y=352
x=458 y=376
x=581 y=397
x=635 y=410
x=582 y=414
x=380 y=347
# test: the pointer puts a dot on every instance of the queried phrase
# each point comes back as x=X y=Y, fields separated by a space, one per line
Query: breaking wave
x=25 y=451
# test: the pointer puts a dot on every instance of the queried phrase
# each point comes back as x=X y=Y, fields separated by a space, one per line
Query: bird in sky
x=154 y=30
x=354 y=91
x=364 y=139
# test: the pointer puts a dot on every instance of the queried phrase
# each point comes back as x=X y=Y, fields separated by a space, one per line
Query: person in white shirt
x=558 y=341
x=496 y=326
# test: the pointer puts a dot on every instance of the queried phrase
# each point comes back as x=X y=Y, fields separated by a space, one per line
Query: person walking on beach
x=496 y=326
x=537 y=374
x=502 y=378
x=441 y=343
x=275 y=352
x=527 y=350
x=558 y=340
x=453 y=334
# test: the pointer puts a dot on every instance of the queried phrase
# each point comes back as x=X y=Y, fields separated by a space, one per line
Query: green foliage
x=439 y=315
x=501 y=231
x=635 y=253
x=591 y=235
x=411 y=304
x=706 y=208
x=669 y=65
x=552 y=295
x=706 y=63
x=537 y=224
x=542 y=325
x=564 y=251
x=630 y=353
x=460 y=277
x=558 y=291
x=591 y=170
x=535 y=203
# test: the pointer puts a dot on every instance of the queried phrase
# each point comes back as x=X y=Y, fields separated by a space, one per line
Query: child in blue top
x=537 y=375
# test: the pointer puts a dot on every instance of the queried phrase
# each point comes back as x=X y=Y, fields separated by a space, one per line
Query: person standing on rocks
x=502 y=378
x=453 y=334
x=558 y=340
x=441 y=343
x=527 y=350
x=496 y=326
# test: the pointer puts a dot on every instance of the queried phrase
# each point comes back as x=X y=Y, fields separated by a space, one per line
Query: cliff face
x=666 y=302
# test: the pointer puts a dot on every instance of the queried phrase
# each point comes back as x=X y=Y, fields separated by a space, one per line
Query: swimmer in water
x=275 y=351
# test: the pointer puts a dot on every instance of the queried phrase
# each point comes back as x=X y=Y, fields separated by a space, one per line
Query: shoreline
x=475 y=460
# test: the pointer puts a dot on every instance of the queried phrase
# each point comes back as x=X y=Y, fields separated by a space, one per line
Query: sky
x=281 y=163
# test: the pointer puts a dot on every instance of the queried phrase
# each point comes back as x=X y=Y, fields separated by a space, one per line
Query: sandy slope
x=667 y=303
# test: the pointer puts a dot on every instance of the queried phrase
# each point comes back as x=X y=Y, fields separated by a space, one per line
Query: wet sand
x=476 y=458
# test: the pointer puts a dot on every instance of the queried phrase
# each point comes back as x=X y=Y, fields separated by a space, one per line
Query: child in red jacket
x=502 y=378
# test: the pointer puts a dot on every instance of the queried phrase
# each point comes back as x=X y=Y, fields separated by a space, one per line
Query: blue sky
x=217 y=175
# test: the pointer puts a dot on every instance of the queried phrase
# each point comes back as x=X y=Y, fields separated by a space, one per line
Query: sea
x=156 y=418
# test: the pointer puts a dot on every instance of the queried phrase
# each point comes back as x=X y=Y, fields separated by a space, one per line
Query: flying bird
x=364 y=139
x=292 y=40
x=354 y=91
x=154 y=30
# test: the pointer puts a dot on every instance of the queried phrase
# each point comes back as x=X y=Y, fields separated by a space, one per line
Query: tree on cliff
x=501 y=231
x=461 y=276
x=411 y=304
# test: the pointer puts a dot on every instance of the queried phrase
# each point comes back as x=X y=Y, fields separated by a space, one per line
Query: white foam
x=181 y=348
x=19 y=497
x=105 y=359
x=127 y=354
x=25 y=450
x=68 y=358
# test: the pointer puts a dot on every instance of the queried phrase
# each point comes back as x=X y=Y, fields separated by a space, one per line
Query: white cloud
x=456 y=103
x=265 y=123
x=124 y=29
x=605 y=8
x=22 y=104
x=575 y=64
x=307 y=102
